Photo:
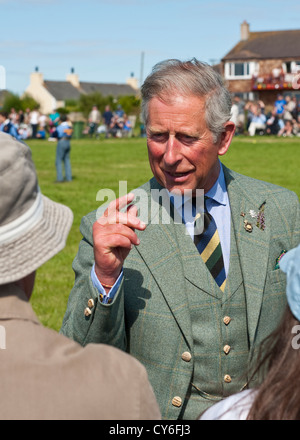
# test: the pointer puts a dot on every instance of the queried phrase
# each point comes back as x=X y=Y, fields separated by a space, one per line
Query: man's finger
x=118 y=204
x=124 y=218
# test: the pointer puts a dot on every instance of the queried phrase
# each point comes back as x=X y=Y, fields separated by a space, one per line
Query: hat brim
x=24 y=255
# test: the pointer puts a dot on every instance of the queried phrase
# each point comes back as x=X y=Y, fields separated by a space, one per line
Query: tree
x=14 y=101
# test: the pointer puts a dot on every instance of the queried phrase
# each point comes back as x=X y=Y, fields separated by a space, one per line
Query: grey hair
x=187 y=78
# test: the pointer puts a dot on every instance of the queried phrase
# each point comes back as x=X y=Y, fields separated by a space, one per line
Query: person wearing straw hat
x=45 y=375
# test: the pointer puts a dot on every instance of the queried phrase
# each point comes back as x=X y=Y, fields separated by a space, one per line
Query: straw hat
x=33 y=228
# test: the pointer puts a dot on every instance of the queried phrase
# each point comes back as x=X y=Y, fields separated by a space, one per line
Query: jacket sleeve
x=105 y=324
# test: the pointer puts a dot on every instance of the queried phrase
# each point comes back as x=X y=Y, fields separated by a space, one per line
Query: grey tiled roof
x=264 y=45
x=62 y=90
x=107 y=89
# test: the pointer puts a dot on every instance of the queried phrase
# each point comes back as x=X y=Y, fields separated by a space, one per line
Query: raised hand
x=114 y=236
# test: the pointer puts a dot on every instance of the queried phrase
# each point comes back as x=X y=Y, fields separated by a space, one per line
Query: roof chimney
x=132 y=81
x=36 y=77
x=73 y=78
x=245 y=31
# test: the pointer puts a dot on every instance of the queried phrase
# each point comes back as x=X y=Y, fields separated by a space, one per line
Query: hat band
x=21 y=225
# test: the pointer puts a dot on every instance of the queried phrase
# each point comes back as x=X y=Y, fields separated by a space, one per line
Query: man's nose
x=173 y=152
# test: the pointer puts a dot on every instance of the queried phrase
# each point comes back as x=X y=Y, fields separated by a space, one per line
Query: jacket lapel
x=160 y=251
x=253 y=247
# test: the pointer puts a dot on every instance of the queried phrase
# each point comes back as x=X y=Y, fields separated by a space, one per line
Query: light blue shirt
x=217 y=205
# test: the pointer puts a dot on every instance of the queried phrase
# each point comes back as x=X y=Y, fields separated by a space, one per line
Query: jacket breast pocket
x=277 y=277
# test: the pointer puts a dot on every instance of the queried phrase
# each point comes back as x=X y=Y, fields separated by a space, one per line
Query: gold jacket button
x=226 y=320
x=186 y=356
x=177 y=401
x=87 y=311
x=91 y=303
x=226 y=349
x=227 y=378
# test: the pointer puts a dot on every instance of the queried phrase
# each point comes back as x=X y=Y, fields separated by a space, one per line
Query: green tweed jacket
x=149 y=316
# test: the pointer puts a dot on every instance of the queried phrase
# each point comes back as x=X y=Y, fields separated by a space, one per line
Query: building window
x=240 y=70
x=295 y=66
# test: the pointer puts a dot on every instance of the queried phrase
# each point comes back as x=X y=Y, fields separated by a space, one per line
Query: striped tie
x=209 y=247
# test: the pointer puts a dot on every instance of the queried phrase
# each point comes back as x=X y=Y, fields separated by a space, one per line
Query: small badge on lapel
x=248 y=226
x=260 y=221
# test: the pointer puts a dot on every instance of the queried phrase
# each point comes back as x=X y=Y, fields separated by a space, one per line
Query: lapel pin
x=261 y=217
x=248 y=226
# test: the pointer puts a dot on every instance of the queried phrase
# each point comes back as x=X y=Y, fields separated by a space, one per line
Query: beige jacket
x=44 y=375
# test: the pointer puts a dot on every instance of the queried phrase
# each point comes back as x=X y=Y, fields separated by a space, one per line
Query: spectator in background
x=94 y=120
x=6 y=126
x=13 y=116
x=279 y=105
x=288 y=109
x=287 y=130
x=272 y=124
x=63 y=133
x=21 y=117
x=107 y=117
x=127 y=126
x=119 y=112
x=43 y=120
x=258 y=118
x=297 y=126
x=116 y=126
x=53 y=121
x=238 y=114
x=41 y=133
x=27 y=116
x=295 y=111
x=34 y=121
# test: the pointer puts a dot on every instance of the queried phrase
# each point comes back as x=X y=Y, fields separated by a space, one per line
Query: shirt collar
x=219 y=191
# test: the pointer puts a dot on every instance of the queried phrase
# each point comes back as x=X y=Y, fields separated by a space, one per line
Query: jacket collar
x=14 y=304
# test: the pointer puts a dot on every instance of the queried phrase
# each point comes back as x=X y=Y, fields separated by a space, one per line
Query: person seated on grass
x=272 y=124
x=258 y=119
x=278 y=397
x=44 y=375
x=287 y=130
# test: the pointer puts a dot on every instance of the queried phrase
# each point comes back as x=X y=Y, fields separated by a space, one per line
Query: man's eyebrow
x=153 y=130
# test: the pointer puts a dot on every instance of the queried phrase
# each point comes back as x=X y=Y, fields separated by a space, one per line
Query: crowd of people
x=32 y=124
x=29 y=124
x=252 y=118
x=110 y=123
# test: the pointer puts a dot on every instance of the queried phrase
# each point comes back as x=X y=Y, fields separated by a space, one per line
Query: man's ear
x=226 y=137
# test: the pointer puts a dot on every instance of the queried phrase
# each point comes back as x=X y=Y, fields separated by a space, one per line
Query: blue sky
x=103 y=40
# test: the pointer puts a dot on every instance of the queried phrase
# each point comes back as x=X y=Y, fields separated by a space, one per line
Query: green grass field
x=98 y=164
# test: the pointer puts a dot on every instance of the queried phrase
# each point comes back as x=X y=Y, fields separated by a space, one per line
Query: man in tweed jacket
x=153 y=295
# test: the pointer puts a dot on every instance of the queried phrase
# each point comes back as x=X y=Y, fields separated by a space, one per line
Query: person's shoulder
x=105 y=357
x=257 y=186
